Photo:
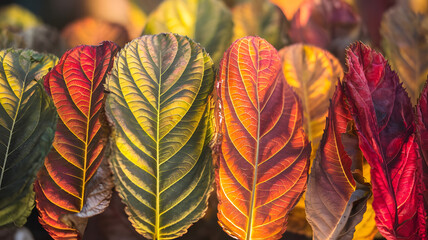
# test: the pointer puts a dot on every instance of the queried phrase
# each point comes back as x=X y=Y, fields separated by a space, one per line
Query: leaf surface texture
x=74 y=184
x=383 y=116
x=336 y=200
x=27 y=126
x=264 y=153
x=161 y=157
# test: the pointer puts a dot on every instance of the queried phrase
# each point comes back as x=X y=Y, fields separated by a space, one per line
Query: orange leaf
x=288 y=7
x=92 y=31
x=264 y=154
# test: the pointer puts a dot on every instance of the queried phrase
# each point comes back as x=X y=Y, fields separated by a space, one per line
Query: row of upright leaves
x=160 y=109
x=159 y=106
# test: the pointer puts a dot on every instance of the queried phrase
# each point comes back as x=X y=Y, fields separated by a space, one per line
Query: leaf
x=419 y=6
x=207 y=22
x=371 y=17
x=259 y=18
x=422 y=137
x=404 y=41
x=129 y=14
x=328 y=24
x=366 y=229
x=161 y=158
x=337 y=193
x=93 y=31
x=17 y=17
x=312 y=73
x=264 y=154
x=27 y=126
x=288 y=7
x=383 y=117
x=74 y=183
x=41 y=38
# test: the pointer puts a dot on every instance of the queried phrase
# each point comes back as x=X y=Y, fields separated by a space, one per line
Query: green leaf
x=259 y=18
x=27 y=126
x=208 y=22
x=158 y=105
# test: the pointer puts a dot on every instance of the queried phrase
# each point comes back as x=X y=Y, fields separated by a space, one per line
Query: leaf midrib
x=157 y=221
x=256 y=162
x=12 y=127
x=85 y=157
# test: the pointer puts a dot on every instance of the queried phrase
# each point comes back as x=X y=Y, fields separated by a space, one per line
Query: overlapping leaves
x=208 y=22
x=27 y=126
x=337 y=194
x=264 y=153
x=159 y=107
x=383 y=117
x=312 y=72
x=74 y=183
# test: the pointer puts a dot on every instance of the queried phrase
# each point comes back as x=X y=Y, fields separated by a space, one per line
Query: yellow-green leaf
x=159 y=108
x=259 y=18
x=27 y=126
x=405 y=35
x=15 y=16
x=208 y=22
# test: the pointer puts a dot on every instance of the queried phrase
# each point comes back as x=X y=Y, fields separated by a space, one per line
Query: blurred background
x=57 y=25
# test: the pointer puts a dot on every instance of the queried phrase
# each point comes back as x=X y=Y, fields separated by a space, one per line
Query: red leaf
x=264 y=154
x=422 y=133
x=71 y=184
x=383 y=116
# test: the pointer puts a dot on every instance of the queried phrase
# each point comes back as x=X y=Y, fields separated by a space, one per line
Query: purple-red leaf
x=384 y=120
x=422 y=133
x=329 y=24
x=74 y=183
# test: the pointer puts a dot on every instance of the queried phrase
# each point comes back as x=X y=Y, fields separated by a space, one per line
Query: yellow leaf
x=312 y=72
x=288 y=7
x=17 y=17
x=419 y=6
x=366 y=229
